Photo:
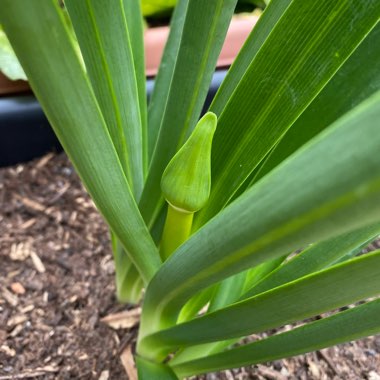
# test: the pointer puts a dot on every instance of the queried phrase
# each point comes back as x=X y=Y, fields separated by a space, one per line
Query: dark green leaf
x=35 y=29
x=349 y=325
x=320 y=292
x=102 y=32
x=204 y=28
x=329 y=187
x=306 y=47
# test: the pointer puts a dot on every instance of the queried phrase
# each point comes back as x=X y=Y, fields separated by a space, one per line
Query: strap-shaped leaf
x=228 y=292
x=338 y=286
x=357 y=79
x=135 y=23
x=204 y=29
x=329 y=187
x=102 y=32
x=306 y=47
x=348 y=325
x=43 y=45
x=254 y=42
x=317 y=257
x=162 y=82
x=257 y=273
x=196 y=303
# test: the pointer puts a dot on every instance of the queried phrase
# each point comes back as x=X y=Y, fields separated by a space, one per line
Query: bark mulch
x=56 y=286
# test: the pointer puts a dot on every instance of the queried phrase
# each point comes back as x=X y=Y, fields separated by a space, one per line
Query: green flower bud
x=186 y=181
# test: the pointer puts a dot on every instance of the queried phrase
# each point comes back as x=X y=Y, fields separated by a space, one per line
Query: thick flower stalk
x=186 y=184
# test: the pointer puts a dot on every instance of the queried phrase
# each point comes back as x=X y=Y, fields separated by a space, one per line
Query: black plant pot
x=25 y=132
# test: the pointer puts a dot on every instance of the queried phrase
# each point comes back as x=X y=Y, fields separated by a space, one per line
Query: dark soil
x=56 y=284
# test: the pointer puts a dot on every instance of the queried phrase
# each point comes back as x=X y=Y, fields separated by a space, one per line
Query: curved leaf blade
x=135 y=23
x=323 y=190
x=357 y=79
x=102 y=32
x=296 y=61
x=267 y=21
x=346 y=326
x=204 y=29
x=309 y=296
x=317 y=257
x=43 y=45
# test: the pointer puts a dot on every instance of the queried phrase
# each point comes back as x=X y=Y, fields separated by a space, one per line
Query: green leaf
x=349 y=325
x=257 y=273
x=35 y=29
x=309 y=296
x=303 y=51
x=204 y=28
x=102 y=31
x=9 y=65
x=317 y=257
x=329 y=187
x=228 y=291
x=357 y=79
x=157 y=7
x=194 y=305
x=163 y=78
x=135 y=23
x=248 y=52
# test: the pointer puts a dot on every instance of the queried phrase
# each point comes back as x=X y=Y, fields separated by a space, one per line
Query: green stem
x=176 y=231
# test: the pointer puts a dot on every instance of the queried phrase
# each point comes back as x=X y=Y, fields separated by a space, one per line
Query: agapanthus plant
x=206 y=214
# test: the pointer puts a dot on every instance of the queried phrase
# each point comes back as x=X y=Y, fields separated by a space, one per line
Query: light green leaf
x=204 y=28
x=329 y=187
x=228 y=291
x=349 y=325
x=257 y=273
x=127 y=278
x=135 y=23
x=35 y=29
x=154 y=7
x=102 y=31
x=303 y=51
x=195 y=304
x=9 y=65
x=320 y=292
x=317 y=257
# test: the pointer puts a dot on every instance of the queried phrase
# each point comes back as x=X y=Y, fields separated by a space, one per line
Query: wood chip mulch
x=56 y=288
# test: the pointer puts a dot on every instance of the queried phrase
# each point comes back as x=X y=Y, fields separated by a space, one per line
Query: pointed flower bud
x=186 y=181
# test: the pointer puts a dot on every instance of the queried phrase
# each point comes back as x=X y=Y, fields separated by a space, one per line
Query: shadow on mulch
x=56 y=284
